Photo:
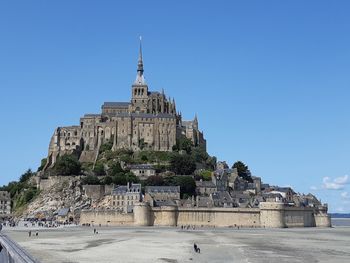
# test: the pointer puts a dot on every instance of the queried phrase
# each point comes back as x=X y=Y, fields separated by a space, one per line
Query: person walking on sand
x=30 y=233
x=195 y=247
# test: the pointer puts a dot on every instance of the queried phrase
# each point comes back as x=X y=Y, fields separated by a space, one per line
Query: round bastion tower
x=272 y=214
x=142 y=214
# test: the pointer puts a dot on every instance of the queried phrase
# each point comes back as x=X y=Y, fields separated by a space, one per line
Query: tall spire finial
x=140 y=52
x=139 y=77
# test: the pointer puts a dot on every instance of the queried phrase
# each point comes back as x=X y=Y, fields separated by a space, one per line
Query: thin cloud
x=336 y=184
x=345 y=195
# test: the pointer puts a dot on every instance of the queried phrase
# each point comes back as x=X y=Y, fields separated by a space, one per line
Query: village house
x=205 y=187
x=124 y=197
x=286 y=192
x=143 y=171
x=161 y=194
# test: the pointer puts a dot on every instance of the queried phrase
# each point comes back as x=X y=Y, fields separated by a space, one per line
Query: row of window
x=126 y=197
x=122 y=203
x=3 y=202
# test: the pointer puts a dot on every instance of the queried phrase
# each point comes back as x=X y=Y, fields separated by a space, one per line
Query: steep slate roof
x=122 y=189
x=165 y=189
x=116 y=104
x=164 y=203
x=205 y=184
x=144 y=115
x=222 y=197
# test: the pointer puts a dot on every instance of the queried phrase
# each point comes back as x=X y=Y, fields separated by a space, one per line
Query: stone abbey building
x=149 y=121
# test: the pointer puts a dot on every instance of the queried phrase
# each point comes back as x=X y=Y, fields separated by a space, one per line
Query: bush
x=91 y=180
x=106 y=147
x=67 y=165
x=206 y=175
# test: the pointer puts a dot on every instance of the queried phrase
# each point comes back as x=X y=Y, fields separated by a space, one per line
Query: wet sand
x=79 y=244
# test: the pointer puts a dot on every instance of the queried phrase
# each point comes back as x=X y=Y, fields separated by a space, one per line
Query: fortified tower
x=272 y=215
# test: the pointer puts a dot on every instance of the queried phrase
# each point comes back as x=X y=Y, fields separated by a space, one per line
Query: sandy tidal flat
x=81 y=245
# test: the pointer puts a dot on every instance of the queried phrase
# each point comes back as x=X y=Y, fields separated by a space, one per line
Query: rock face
x=66 y=194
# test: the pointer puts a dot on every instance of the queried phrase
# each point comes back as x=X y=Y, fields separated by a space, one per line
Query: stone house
x=220 y=179
x=273 y=197
x=64 y=216
x=205 y=187
x=222 y=199
x=162 y=193
x=286 y=192
x=5 y=203
x=124 y=197
x=143 y=171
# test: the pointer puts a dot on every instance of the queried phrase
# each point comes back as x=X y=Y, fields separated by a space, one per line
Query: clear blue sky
x=269 y=80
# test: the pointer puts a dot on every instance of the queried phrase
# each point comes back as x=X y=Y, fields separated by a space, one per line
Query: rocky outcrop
x=66 y=194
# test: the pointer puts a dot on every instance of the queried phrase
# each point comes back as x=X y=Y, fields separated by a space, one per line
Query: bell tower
x=139 y=94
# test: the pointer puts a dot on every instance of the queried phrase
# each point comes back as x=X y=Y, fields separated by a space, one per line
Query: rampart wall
x=268 y=215
x=106 y=217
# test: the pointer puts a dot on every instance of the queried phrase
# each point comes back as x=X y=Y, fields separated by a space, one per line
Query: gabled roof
x=63 y=212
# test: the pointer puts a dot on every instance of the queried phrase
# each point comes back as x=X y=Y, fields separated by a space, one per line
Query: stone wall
x=45 y=184
x=94 y=192
x=268 y=215
x=106 y=217
x=299 y=217
x=220 y=217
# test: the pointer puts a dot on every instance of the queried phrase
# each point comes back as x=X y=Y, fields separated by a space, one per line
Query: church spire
x=140 y=62
x=140 y=80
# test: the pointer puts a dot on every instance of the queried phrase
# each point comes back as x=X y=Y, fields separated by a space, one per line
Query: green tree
x=183 y=143
x=187 y=184
x=67 y=165
x=199 y=155
x=99 y=169
x=154 y=180
x=182 y=164
x=42 y=164
x=106 y=147
x=24 y=177
x=107 y=180
x=242 y=171
x=115 y=169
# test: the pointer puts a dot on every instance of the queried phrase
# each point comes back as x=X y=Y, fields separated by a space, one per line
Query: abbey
x=148 y=122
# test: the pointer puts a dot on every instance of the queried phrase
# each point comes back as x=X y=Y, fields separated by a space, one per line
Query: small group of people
x=188 y=227
x=30 y=233
x=95 y=231
x=196 y=248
